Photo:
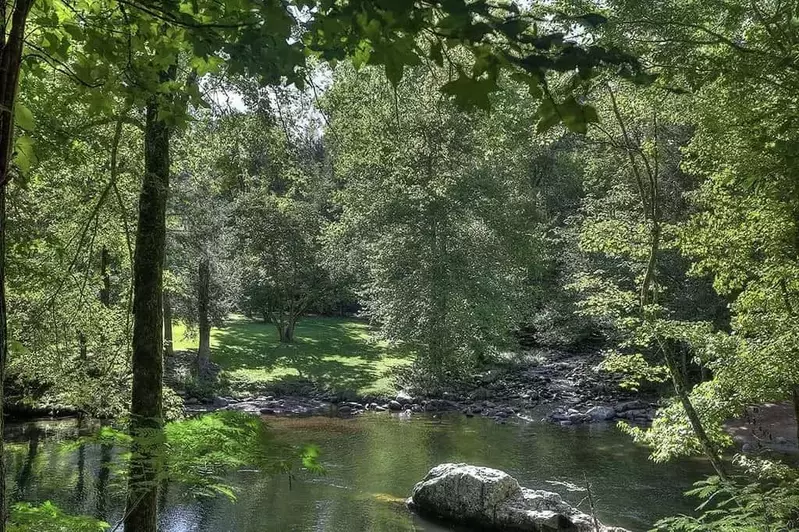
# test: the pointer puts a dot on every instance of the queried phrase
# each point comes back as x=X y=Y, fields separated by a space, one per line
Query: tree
x=281 y=272
x=637 y=303
x=200 y=235
x=435 y=222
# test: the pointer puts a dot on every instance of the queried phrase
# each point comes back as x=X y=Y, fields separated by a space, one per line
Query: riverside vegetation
x=574 y=210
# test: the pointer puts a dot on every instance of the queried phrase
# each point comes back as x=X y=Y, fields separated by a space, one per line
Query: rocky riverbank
x=563 y=388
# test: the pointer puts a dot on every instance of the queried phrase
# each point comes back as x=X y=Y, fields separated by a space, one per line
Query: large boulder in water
x=493 y=500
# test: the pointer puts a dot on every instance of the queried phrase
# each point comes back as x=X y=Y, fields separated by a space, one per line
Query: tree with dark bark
x=13 y=35
x=146 y=403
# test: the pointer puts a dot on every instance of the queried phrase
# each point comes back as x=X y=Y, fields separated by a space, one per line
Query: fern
x=764 y=499
x=47 y=517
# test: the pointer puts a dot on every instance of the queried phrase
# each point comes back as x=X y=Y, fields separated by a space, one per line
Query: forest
x=264 y=263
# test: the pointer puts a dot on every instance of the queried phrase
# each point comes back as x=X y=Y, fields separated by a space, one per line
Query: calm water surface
x=372 y=462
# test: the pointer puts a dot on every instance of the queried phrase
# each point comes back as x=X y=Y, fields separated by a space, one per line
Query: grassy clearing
x=341 y=354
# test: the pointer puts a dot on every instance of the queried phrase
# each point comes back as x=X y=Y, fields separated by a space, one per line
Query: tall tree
x=13 y=35
x=439 y=226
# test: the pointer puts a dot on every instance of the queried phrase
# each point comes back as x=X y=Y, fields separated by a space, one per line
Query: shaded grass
x=340 y=354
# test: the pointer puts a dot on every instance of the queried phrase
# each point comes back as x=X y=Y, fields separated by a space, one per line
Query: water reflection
x=372 y=462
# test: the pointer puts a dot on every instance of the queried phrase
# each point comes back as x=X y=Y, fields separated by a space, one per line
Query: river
x=372 y=462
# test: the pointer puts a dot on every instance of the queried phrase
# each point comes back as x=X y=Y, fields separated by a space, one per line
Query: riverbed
x=372 y=462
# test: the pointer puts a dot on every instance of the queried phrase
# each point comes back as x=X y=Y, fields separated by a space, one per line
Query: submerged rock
x=492 y=499
x=601 y=413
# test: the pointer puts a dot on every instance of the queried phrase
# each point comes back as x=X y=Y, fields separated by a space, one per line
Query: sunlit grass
x=341 y=354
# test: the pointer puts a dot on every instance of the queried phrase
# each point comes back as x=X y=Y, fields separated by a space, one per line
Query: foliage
x=197 y=452
x=201 y=449
x=281 y=271
x=432 y=223
x=767 y=498
x=47 y=517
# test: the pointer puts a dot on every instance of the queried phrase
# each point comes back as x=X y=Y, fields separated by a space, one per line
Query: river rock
x=404 y=398
x=631 y=405
x=394 y=405
x=220 y=402
x=494 y=500
x=601 y=413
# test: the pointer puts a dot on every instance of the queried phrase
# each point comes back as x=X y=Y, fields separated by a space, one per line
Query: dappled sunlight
x=337 y=353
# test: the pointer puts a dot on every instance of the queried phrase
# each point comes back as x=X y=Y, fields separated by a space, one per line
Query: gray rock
x=220 y=402
x=631 y=405
x=578 y=418
x=436 y=405
x=394 y=405
x=481 y=394
x=494 y=500
x=601 y=413
x=403 y=398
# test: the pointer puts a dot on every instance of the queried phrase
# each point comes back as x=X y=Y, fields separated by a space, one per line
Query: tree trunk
x=105 y=291
x=683 y=394
x=83 y=347
x=795 y=395
x=285 y=330
x=148 y=363
x=10 y=61
x=203 y=321
x=650 y=196
x=168 y=349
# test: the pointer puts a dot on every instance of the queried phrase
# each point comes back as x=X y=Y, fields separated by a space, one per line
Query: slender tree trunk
x=203 y=321
x=148 y=363
x=650 y=201
x=795 y=395
x=168 y=349
x=10 y=61
x=683 y=394
x=288 y=333
x=105 y=291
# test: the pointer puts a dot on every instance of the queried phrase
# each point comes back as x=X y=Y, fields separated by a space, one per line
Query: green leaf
x=23 y=117
x=547 y=116
x=513 y=27
x=470 y=93
x=576 y=116
x=24 y=156
x=533 y=83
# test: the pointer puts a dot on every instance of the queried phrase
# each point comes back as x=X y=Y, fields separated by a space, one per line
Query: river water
x=372 y=462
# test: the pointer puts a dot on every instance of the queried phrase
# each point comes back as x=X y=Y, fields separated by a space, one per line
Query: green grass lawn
x=341 y=354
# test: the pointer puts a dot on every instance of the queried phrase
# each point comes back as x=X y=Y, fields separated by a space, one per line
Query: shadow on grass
x=336 y=353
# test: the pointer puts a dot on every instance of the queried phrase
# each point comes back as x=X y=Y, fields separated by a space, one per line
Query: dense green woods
x=471 y=177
